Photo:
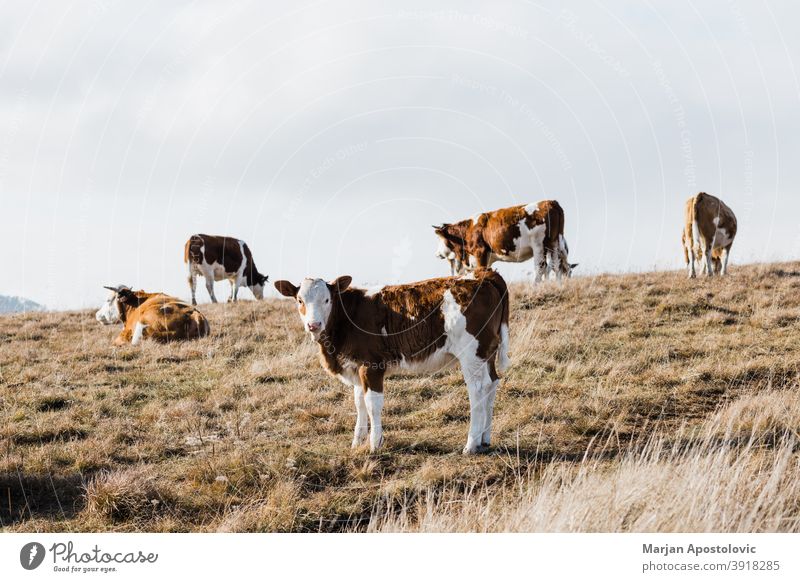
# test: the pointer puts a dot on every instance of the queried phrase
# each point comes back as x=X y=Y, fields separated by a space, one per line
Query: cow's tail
x=695 y=227
x=493 y=277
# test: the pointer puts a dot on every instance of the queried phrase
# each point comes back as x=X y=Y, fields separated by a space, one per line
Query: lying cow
x=420 y=327
x=708 y=233
x=151 y=316
x=220 y=257
x=513 y=235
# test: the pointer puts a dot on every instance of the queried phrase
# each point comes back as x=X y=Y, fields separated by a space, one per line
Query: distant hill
x=18 y=305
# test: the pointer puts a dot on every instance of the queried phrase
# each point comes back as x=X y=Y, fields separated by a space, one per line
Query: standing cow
x=221 y=257
x=708 y=233
x=512 y=235
x=421 y=327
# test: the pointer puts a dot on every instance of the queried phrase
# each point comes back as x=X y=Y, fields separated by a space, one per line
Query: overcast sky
x=331 y=135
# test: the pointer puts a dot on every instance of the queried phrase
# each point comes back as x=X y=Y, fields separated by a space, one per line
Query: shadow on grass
x=24 y=497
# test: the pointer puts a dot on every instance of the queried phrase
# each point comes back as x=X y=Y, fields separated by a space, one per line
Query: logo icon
x=31 y=555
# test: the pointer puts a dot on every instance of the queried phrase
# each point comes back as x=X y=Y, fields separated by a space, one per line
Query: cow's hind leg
x=210 y=289
x=708 y=267
x=540 y=262
x=479 y=387
x=491 y=392
x=193 y=285
x=725 y=254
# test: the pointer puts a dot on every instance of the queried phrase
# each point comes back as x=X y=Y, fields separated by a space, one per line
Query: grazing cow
x=708 y=233
x=154 y=316
x=221 y=257
x=513 y=235
x=420 y=327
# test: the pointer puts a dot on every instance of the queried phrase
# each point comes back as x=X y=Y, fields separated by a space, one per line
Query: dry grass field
x=634 y=403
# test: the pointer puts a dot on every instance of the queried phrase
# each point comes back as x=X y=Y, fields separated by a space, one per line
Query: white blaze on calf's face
x=314 y=304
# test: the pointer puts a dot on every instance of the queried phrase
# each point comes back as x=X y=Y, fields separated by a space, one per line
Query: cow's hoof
x=375 y=448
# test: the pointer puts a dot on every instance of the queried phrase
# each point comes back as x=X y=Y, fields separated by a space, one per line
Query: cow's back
x=222 y=250
x=705 y=214
x=168 y=318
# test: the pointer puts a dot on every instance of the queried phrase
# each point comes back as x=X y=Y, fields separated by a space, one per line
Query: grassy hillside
x=634 y=403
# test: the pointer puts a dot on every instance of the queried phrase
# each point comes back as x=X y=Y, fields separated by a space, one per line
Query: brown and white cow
x=152 y=316
x=513 y=235
x=421 y=327
x=708 y=232
x=221 y=257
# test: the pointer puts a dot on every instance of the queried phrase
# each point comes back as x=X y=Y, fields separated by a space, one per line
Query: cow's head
x=109 y=312
x=315 y=300
x=567 y=268
x=259 y=282
x=450 y=248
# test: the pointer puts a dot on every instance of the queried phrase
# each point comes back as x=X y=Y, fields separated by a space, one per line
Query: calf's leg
x=480 y=389
x=362 y=416
x=372 y=379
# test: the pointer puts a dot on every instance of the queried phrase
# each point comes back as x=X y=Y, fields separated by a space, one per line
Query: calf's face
x=315 y=300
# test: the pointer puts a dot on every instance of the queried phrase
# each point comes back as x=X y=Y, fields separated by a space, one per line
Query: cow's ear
x=341 y=283
x=573 y=265
x=286 y=288
x=453 y=238
x=125 y=295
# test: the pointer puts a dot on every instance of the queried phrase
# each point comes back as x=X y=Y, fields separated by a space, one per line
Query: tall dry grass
x=737 y=473
x=634 y=402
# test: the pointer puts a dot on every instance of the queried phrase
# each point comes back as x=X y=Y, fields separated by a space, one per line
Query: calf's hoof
x=476 y=449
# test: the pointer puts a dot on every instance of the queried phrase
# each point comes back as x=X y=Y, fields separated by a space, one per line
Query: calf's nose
x=314 y=326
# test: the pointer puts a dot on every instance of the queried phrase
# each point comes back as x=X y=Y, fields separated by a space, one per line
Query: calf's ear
x=286 y=288
x=573 y=265
x=341 y=283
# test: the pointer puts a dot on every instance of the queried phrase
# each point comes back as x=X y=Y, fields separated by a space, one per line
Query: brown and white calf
x=151 y=316
x=221 y=257
x=708 y=232
x=513 y=235
x=421 y=327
